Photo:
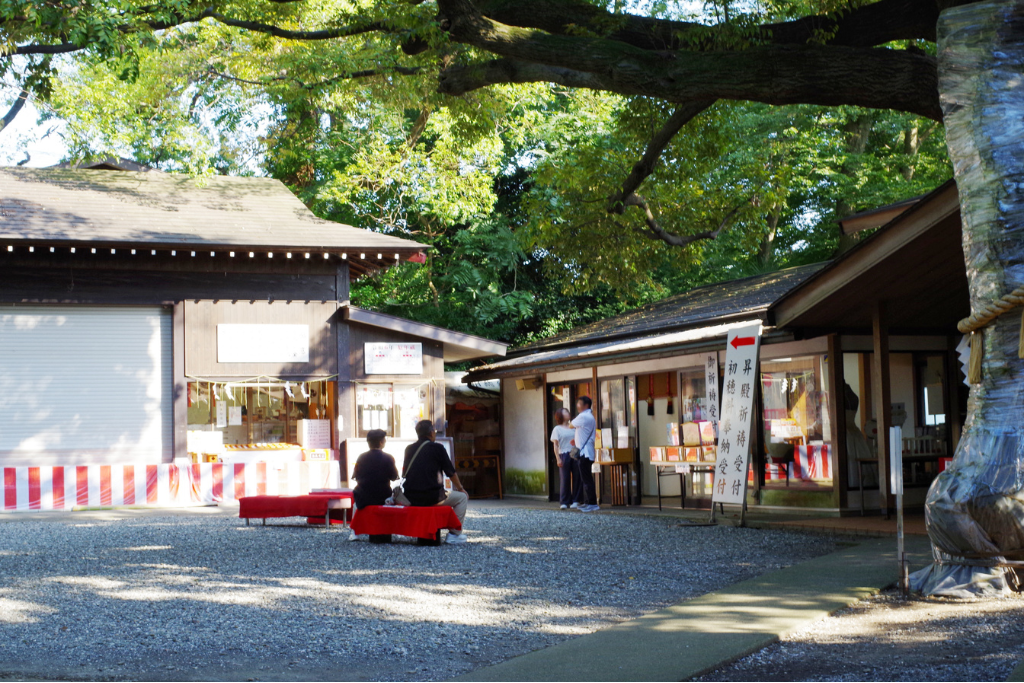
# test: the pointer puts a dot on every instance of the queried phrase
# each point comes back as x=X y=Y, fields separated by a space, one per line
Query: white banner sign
x=735 y=435
x=263 y=343
x=393 y=359
x=711 y=387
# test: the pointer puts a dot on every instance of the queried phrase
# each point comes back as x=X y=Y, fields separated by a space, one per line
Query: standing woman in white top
x=568 y=469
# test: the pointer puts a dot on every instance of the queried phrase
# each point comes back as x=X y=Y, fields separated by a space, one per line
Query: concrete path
x=705 y=633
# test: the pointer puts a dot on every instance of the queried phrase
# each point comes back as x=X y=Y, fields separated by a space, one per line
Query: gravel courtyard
x=884 y=638
x=205 y=597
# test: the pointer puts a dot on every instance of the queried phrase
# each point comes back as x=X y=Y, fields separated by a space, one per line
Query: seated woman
x=374 y=472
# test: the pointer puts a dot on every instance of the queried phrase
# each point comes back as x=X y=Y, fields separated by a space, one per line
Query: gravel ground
x=885 y=638
x=184 y=598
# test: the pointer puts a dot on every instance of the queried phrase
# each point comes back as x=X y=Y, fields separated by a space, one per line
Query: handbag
x=575 y=451
x=397 y=491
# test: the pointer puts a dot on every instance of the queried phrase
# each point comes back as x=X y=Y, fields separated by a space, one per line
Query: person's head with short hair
x=375 y=438
x=425 y=430
x=583 y=403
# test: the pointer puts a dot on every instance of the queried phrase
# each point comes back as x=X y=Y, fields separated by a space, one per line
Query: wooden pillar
x=865 y=391
x=437 y=389
x=344 y=405
x=882 y=398
x=179 y=392
x=837 y=416
x=953 y=424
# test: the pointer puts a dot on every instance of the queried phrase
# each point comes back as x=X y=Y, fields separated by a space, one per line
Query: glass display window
x=797 y=423
x=614 y=412
x=693 y=396
x=411 y=406
x=375 y=408
x=248 y=413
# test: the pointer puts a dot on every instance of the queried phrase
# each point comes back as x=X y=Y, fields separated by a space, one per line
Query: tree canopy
x=564 y=158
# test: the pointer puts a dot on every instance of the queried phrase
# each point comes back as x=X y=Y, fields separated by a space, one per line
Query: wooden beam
x=844 y=272
x=837 y=415
x=882 y=395
x=345 y=412
x=179 y=390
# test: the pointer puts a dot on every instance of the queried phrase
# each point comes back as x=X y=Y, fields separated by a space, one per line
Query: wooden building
x=875 y=327
x=138 y=308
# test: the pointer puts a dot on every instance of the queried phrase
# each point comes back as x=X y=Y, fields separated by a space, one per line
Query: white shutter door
x=82 y=384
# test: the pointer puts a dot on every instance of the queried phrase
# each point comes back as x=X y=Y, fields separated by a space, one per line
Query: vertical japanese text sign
x=711 y=387
x=734 y=428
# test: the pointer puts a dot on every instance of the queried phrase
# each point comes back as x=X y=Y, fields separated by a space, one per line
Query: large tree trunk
x=975 y=509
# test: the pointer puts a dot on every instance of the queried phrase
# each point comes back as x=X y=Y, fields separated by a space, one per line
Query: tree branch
x=15 y=108
x=655 y=230
x=645 y=166
x=868 y=25
x=210 y=13
x=825 y=75
x=366 y=73
x=462 y=78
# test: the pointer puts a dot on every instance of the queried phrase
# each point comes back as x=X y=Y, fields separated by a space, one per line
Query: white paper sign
x=381 y=358
x=734 y=429
x=711 y=387
x=235 y=416
x=262 y=343
x=222 y=415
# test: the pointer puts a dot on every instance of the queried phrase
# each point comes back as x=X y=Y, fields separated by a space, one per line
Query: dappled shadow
x=212 y=598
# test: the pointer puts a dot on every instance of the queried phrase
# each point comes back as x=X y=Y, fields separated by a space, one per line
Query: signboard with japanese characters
x=711 y=387
x=382 y=358
x=734 y=427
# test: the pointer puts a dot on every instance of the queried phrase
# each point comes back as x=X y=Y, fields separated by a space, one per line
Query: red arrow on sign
x=742 y=341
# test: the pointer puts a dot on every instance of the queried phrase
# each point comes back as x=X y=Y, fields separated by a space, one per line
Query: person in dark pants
x=586 y=436
x=425 y=467
x=568 y=469
x=374 y=472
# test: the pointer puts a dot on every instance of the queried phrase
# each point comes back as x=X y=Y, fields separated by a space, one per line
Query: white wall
x=525 y=439
x=653 y=432
x=901 y=382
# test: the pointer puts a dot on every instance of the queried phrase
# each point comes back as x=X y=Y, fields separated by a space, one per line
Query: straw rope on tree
x=974 y=324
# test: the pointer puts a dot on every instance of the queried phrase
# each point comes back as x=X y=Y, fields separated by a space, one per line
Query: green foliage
x=510 y=185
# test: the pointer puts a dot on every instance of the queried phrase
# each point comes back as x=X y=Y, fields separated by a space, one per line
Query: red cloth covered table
x=418 y=522
x=313 y=505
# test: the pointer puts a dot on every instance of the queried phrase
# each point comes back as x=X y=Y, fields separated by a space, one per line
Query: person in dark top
x=374 y=472
x=426 y=465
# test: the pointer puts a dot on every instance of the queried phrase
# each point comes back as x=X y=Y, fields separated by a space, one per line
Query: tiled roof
x=67 y=206
x=719 y=302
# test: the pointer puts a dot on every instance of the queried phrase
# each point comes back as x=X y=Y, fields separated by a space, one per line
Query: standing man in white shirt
x=586 y=436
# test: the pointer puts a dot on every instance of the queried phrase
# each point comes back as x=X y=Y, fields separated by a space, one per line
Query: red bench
x=315 y=507
x=380 y=522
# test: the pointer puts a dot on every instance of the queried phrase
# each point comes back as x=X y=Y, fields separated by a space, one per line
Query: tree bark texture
x=975 y=509
x=829 y=75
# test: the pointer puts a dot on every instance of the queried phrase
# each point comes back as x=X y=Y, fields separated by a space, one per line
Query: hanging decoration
x=671 y=408
x=650 y=395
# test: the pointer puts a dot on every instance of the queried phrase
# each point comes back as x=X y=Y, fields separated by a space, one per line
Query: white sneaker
x=589 y=508
x=353 y=536
x=456 y=538
x=563 y=507
x=575 y=506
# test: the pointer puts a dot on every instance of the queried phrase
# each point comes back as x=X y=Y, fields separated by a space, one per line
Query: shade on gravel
x=886 y=638
x=175 y=598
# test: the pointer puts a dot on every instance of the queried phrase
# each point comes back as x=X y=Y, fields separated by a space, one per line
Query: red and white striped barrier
x=66 y=487
x=809 y=463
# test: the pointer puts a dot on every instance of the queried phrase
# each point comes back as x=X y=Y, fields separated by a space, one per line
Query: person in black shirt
x=374 y=472
x=426 y=465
